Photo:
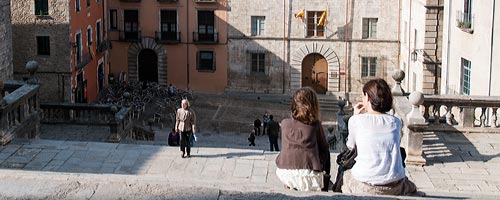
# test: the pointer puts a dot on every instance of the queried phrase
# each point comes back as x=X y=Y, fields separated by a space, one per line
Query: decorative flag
x=322 y=19
x=300 y=14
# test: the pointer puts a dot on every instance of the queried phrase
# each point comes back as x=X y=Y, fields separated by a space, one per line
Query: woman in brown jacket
x=185 y=121
x=305 y=157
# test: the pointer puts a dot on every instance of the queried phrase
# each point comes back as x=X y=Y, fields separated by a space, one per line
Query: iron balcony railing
x=168 y=37
x=208 y=38
x=103 y=46
x=130 y=36
x=83 y=60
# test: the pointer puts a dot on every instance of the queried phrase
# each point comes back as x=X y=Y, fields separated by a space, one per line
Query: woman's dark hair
x=305 y=106
x=380 y=95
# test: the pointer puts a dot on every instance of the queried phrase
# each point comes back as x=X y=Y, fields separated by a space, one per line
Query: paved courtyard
x=222 y=166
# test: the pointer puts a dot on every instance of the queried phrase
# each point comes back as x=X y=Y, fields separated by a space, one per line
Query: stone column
x=416 y=125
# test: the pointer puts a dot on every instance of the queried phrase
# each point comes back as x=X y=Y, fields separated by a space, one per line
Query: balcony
x=465 y=21
x=205 y=38
x=83 y=60
x=103 y=46
x=168 y=37
x=130 y=36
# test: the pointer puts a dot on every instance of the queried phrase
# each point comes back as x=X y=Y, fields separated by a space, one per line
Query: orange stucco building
x=183 y=43
x=88 y=49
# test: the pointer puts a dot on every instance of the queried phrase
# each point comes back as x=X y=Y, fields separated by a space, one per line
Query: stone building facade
x=5 y=41
x=42 y=31
x=276 y=48
x=422 y=44
x=54 y=69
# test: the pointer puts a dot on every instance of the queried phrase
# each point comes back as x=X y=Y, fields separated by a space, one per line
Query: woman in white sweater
x=376 y=136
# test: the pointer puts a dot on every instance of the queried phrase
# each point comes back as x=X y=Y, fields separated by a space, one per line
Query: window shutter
x=45 y=7
x=38 y=7
x=198 y=60
x=213 y=59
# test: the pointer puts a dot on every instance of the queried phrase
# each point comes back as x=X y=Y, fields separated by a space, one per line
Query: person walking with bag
x=375 y=135
x=304 y=161
x=185 y=121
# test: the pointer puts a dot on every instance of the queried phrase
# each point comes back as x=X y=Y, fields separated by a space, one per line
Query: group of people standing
x=271 y=127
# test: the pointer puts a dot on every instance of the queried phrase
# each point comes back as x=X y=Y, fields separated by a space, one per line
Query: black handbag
x=346 y=158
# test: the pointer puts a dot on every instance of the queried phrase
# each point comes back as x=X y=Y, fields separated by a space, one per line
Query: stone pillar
x=398 y=76
x=114 y=136
x=414 y=138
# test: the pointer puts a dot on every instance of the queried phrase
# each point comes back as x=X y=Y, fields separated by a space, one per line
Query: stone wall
x=54 y=68
x=5 y=41
x=296 y=45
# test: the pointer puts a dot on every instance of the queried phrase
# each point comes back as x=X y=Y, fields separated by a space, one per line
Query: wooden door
x=315 y=72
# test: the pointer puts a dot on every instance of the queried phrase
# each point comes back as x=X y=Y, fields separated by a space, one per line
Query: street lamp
x=414 y=54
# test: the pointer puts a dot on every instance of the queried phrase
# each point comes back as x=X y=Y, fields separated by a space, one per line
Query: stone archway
x=133 y=59
x=332 y=60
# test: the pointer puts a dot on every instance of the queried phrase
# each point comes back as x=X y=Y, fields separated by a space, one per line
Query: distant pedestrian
x=171 y=90
x=273 y=132
x=251 y=138
x=173 y=138
x=185 y=121
x=265 y=119
x=256 y=126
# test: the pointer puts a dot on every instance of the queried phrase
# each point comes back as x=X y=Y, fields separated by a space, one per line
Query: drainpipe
x=491 y=47
x=346 y=47
x=409 y=50
x=284 y=46
x=187 y=44
x=399 y=34
x=448 y=49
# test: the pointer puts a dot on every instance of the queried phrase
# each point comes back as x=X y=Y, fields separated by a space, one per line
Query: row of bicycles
x=148 y=100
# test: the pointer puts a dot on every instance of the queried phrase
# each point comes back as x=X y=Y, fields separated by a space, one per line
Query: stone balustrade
x=19 y=111
x=118 y=119
x=454 y=113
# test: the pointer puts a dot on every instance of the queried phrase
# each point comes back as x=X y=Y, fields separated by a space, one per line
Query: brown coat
x=303 y=147
x=185 y=120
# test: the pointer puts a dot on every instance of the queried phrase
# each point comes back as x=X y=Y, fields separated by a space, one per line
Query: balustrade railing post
x=467 y=117
x=114 y=137
x=415 y=137
x=494 y=118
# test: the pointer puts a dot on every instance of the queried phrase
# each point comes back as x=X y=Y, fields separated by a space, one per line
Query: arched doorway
x=148 y=65
x=315 y=72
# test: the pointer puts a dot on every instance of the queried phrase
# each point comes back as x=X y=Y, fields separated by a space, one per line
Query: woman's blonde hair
x=305 y=106
x=185 y=101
